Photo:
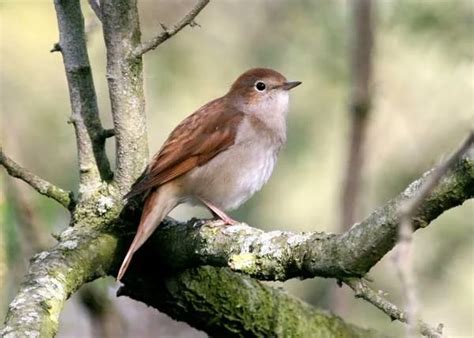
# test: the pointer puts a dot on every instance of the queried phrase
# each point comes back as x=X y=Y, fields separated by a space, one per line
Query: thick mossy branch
x=281 y=255
x=93 y=163
x=63 y=197
x=226 y=304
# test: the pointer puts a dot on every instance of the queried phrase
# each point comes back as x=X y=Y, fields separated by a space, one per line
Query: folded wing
x=195 y=141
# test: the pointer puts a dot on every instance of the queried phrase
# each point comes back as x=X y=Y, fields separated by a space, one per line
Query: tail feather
x=157 y=205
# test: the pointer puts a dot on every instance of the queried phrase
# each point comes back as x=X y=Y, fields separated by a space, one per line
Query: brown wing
x=196 y=140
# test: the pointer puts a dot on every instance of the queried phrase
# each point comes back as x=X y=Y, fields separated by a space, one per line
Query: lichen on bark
x=191 y=278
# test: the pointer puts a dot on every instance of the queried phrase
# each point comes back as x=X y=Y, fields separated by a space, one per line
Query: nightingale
x=219 y=156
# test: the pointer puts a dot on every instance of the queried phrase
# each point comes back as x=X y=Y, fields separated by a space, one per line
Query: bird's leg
x=218 y=213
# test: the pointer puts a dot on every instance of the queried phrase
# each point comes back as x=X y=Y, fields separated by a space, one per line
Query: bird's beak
x=290 y=84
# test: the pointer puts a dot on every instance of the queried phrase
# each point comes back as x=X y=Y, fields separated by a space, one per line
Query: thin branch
x=362 y=290
x=63 y=197
x=107 y=133
x=95 y=5
x=404 y=266
x=167 y=33
x=93 y=163
x=359 y=110
x=409 y=208
x=359 y=106
x=404 y=256
x=56 y=48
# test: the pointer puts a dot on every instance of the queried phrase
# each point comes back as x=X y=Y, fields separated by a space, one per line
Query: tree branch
x=63 y=197
x=362 y=290
x=359 y=107
x=125 y=81
x=82 y=255
x=226 y=304
x=93 y=163
x=167 y=33
x=85 y=252
x=409 y=208
x=241 y=304
x=108 y=133
x=281 y=255
x=359 y=110
x=404 y=257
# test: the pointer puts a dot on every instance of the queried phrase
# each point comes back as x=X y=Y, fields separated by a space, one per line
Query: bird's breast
x=233 y=176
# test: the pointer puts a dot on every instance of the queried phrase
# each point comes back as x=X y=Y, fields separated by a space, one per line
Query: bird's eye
x=260 y=86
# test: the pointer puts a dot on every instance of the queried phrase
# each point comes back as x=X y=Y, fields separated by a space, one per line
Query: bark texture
x=226 y=304
x=121 y=28
x=91 y=250
x=212 y=297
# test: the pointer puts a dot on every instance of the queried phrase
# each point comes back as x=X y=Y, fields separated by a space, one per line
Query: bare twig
x=359 y=111
x=93 y=163
x=95 y=5
x=409 y=208
x=405 y=269
x=65 y=198
x=56 y=48
x=362 y=290
x=359 y=106
x=404 y=257
x=167 y=33
x=108 y=133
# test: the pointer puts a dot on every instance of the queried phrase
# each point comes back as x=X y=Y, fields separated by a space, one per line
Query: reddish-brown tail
x=157 y=205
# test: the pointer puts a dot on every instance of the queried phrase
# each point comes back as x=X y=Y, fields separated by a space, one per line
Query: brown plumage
x=191 y=144
x=219 y=156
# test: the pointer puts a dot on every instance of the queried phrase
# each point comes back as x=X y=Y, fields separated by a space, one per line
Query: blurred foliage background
x=423 y=106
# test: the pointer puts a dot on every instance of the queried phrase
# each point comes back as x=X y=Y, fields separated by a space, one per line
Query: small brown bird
x=219 y=156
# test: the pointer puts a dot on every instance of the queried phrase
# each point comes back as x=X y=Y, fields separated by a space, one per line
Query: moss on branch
x=82 y=255
x=95 y=246
x=226 y=304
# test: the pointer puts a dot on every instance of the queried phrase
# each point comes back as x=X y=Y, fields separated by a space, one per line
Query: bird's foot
x=227 y=220
x=219 y=214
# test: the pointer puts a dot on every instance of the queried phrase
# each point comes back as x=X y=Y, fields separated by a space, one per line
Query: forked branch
x=167 y=33
x=63 y=197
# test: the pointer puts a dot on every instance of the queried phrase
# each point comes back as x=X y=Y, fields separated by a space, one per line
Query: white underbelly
x=233 y=176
